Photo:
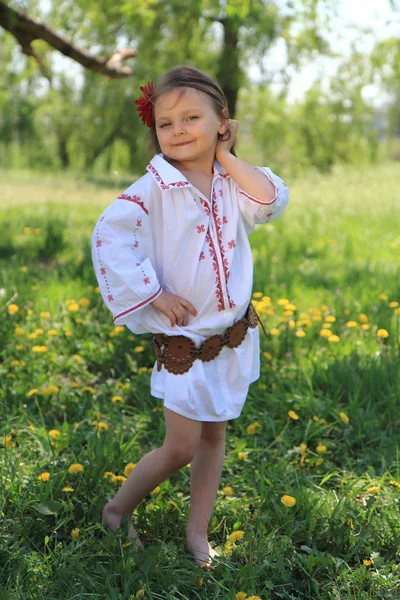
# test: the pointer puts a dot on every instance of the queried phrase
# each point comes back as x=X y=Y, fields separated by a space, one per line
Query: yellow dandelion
x=365 y=326
x=330 y=319
x=118 y=479
x=54 y=433
x=75 y=468
x=68 y=489
x=382 y=333
x=325 y=333
x=84 y=302
x=327 y=325
x=373 y=489
x=363 y=318
x=14 y=363
x=45 y=315
x=252 y=428
x=397 y=311
x=108 y=475
x=44 y=476
x=23 y=269
x=39 y=349
x=321 y=449
x=274 y=331
x=393 y=304
x=283 y=301
x=51 y=389
x=116 y=399
x=243 y=455
x=253 y=598
x=228 y=491
x=129 y=468
x=293 y=415
x=141 y=592
x=288 y=500
x=240 y=596
x=367 y=562
x=395 y=483
x=19 y=331
x=267 y=355
x=383 y=297
x=344 y=417
x=236 y=535
x=319 y=461
x=351 y=324
x=257 y=295
x=68 y=333
x=288 y=313
x=13 y=309
x=73 y=307
x=316 y=318
x=334 y=338
x=315 y=418
x=300 y=333
x=75 y=533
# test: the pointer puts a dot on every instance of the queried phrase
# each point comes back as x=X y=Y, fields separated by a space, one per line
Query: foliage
x=319 y=426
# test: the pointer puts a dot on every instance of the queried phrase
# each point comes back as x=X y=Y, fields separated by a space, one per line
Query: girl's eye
x=163 y=125
x=166 y=124
x=193 y=117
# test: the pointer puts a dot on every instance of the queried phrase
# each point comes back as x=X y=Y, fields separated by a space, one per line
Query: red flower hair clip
x=144 y=103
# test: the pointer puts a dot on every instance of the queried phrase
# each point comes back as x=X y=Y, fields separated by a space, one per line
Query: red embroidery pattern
x=125 y=312
x=136 y=244
x=138 y=223
x=103 y=271
x=102 y=268
x=164 y=186
x=110 y=298
x=202 y=256
x=260 y=201
x=225 y=262
x=224 y=220
x=135 y=199
x=146 y=280
x=200 y=228
x=218 y=292
x=206 y=207
x=98 y=243
x=232 y=244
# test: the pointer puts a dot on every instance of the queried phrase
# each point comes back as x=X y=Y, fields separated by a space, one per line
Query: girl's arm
x=248 y=179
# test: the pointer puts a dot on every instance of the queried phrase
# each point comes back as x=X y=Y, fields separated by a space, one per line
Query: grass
x=321 y=425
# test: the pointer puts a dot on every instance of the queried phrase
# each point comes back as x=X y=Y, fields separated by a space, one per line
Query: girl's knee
x=180 y=452
x=213 y=432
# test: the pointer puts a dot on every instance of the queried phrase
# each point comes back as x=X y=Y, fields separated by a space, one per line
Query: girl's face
x=187 y=125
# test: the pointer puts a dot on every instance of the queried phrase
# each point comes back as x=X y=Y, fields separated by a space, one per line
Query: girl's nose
x=179 y=128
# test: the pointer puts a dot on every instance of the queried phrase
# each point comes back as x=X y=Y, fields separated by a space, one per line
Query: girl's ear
x=224 y=121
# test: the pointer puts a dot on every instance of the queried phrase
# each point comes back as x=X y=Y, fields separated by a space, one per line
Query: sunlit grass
x=308 y=502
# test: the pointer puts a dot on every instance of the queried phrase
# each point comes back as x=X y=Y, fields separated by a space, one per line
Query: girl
x=172 y=257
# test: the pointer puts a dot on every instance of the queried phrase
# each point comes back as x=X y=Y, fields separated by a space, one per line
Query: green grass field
x=321 y=426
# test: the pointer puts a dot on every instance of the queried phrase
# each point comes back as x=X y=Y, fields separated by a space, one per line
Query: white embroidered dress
x=163 y=234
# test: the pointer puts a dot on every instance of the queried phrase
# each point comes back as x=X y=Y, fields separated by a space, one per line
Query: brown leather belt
x=177 y=353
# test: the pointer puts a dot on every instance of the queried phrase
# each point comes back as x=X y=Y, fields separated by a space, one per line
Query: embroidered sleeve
x=255 y=211
x=126 y=277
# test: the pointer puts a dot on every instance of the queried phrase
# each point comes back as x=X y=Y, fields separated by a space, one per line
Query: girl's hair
x=189 y=77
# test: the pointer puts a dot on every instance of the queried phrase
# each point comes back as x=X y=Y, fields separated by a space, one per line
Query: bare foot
x=201 y=550
x=112 y=519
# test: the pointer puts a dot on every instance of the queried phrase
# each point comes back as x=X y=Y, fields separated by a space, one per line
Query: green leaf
x=51 y=507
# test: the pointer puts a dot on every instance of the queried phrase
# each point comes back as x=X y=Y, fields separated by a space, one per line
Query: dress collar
x=168 y=177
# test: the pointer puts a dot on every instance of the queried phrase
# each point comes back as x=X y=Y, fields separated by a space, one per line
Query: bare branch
x=26 y=30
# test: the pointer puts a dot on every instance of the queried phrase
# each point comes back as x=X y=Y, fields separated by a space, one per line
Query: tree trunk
x=228 y=71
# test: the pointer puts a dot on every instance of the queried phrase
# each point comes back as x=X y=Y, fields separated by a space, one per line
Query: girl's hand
x=175 y=308
x=224 y=144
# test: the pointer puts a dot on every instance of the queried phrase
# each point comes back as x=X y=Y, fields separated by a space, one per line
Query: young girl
x=172 y=258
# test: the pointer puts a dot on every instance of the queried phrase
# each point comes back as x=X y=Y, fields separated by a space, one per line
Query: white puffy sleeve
x=126 y=277
x=255 y=211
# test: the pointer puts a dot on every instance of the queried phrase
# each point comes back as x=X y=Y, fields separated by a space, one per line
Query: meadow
x=308 y=506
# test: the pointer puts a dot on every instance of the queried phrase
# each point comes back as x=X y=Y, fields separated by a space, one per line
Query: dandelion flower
x=274 y=331
x=363 y=318
x=367 y=562
x=240 y=596
x=68 y=489
x=51 y=389
x=116 y=399
x=330 y=319
x=325 y=333
x=383 y=297
x=393 y=304
x=84 y=302
x=13 y=309
x=129 y=468
x=382 y=333
x=373 y=489
x=228 y=490
x=252 y=428
x=283 y=301
x=139 y=349
x=395 y=483
x=267 y=355
x=242 y=455
x=118 y=479
x=300 y=333
x=236 y=535
x=45 y=315
x=333 y=338
x=75 y=533
x=253 y=598
x=75 y=468
x=321 y=448
x=257 y=295
x=73 y=307
x=54 y=433
x=108 y=475
x=19 y=331
x=102 y=426
x=344 y=417
x=44 y=476
x=351 y=324
x=39 y=349
x=293 y=415
x=288 y=500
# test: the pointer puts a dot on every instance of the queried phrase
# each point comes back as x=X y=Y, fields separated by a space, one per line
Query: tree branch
x=26 y=30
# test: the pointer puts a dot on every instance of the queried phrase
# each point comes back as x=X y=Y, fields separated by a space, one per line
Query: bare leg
x=181 y=441
x=205 y=475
